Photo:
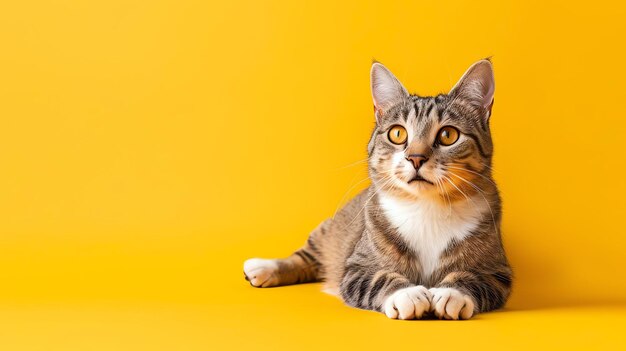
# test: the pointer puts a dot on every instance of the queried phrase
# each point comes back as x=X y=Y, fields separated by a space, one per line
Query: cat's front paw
x=261 y=272
x=450 y=303
x=408 y=303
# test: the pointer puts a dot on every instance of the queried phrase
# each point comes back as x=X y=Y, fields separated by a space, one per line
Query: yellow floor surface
x=240 y=317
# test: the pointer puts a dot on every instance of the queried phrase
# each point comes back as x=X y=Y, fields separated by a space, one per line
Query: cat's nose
x=417 y=160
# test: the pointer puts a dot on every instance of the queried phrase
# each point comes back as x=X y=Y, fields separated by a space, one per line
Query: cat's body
x=424 y=237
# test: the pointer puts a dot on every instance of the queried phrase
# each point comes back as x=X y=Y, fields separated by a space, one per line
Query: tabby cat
x=424 y=237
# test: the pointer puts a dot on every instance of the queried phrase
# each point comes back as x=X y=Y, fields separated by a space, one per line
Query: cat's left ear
x=477 y=85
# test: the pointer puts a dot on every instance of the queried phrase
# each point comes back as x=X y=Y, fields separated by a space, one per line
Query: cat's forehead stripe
x=420 y=117
x=430 y=108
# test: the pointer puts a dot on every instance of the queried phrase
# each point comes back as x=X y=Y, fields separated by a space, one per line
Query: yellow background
x=148 y=148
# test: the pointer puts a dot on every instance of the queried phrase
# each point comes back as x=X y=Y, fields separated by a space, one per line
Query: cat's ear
x=477 y=85
x=386 y=89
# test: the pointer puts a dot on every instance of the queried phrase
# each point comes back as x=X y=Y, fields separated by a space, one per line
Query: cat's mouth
x=419 y=178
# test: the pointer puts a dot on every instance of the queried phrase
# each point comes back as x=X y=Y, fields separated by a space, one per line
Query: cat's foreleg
x=384 y=291
x=460 y=295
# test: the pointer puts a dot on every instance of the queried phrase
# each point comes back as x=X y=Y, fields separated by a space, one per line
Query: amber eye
x=448 y=136
x=397 y=135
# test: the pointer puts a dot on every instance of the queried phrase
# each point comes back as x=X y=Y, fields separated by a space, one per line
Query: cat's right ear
x=386 y=89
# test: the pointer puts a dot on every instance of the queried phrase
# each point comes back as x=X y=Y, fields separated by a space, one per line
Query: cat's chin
x=423 y=189
x=413 y=190
x=417 y=179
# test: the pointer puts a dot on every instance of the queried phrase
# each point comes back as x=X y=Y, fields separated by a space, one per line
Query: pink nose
x=417 y=160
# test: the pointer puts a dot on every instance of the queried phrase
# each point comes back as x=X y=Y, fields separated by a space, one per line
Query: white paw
x=260 y=272
x=408 y=303
x=450 y=303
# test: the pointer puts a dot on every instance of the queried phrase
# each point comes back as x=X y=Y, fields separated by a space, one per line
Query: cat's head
x=432 y=147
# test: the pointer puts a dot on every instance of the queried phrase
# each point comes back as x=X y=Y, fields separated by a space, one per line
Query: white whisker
x=353 y=164
x=470 y=171
x=446 y=196
x=461 y=191
x=493 y=218
x=346 y=194
x=387 y=181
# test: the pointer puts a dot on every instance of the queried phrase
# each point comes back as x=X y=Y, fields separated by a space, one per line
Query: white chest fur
x=429 y=227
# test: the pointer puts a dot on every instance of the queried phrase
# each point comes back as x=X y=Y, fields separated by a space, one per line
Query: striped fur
x=408 y=248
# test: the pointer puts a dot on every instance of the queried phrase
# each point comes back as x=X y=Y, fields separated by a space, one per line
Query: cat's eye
x=448 y=136
x=397 y=135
